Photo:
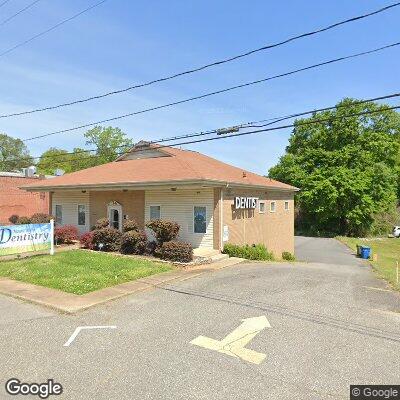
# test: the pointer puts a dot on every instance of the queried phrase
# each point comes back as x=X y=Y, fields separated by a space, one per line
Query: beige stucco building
x=213 y=202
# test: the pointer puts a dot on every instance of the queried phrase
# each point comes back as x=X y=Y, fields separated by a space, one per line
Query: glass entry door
x=115 y=217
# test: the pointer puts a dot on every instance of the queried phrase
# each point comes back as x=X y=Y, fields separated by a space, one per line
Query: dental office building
x=213 y=202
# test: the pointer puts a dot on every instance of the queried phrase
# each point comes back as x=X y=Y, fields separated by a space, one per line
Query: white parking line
x=80 y=328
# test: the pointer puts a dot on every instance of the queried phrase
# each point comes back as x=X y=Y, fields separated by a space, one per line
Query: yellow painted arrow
x=234 y=343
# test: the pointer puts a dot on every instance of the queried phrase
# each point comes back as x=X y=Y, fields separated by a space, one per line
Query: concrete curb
x=71 y=303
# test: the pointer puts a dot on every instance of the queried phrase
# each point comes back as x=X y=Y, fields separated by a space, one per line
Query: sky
x=122 y=43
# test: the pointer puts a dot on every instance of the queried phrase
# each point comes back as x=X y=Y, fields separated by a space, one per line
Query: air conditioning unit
x=29 y=172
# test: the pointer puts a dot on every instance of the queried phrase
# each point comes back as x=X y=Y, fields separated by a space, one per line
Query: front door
x=115 y=216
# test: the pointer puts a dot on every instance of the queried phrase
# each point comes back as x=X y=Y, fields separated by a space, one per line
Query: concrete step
x=228 y=262
x=218 y=257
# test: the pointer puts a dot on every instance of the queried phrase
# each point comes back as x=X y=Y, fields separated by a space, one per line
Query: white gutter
x=146 y=185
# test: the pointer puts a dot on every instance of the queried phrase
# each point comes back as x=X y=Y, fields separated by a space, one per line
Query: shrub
x=130 y=225
x=151 y=248
x=110 y=238
x=23 y=220
x=176 y=251
x=254 y=252
x=14 y=219
x=164 y=231
x=133 y=242
x=66 y=234
x=40 y=218
x=288 y=256
x=101 y=223
x=86 y=240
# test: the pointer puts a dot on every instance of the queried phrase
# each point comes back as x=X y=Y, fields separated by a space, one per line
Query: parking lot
x=309 y=331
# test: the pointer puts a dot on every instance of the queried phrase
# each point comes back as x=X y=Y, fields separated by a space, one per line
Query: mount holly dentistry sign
x=15 y=239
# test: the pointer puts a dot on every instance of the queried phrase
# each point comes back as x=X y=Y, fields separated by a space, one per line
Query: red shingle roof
x=178 y=165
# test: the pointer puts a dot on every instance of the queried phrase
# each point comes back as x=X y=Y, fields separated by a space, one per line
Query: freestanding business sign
x=16 y=239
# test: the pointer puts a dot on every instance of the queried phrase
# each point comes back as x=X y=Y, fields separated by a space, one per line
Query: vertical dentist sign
x=16 y=239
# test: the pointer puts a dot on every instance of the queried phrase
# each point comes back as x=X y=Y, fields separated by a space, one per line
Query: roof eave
x=144 y=185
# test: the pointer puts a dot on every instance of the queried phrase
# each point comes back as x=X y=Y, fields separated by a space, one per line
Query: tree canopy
x=110 y=142
x=55 y=158
x=346 y=167
x=14 y=155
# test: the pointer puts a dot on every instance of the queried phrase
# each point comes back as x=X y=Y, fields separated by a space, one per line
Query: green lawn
x=387 y=251
x=79 y=271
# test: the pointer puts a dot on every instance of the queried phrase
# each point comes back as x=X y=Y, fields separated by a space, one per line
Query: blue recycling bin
x=365 y=252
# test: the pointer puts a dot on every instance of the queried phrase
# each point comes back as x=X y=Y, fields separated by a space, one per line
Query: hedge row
x=254 y=252
x=134 y=241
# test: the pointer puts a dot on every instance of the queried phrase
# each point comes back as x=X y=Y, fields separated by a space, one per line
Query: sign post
x=52 y=237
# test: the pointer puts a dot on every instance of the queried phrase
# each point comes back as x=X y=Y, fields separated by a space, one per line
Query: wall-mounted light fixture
x=173 y=189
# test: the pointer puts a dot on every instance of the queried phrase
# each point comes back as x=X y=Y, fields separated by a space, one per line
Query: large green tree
x=14 y=154
x=55 y=158
x=346 y=167
x=109 y=142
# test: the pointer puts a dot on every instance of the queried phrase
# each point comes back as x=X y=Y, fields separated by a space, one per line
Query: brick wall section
x=132 y=204
x=274 y=229
x=16 y=201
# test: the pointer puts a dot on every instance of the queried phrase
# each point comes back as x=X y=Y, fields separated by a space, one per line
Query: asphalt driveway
x=329 y=326
x=324 y=250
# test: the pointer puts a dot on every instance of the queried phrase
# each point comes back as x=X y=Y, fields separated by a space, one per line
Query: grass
x=387 y=251
x=80 y=271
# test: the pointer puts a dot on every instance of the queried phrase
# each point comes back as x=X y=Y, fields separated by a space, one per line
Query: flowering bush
x=86 y=240
x=66 y=234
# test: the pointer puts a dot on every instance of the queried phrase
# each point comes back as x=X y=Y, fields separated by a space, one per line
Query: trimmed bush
x=176 y=251
x=150 y=248
x=133 y=242
x=66 y=234
x=14 y=219
x=101 y=223
x=288 y=256
x=164 y=231
x=40 y=218
x=255 y=252
x=86 y=240
x=130 y=225
x=110 y=239
x=23 y=220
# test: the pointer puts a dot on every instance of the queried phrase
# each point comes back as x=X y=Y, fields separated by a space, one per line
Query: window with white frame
x=81 y=214
x=199 y=219
x=261 y=207
x=155 y=212
x=272 y=206
x=58 y=213
x=286 y=206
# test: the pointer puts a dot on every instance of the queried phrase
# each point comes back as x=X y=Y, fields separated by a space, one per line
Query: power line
x=292 y=125
x=18 y=12
x=214 y=93
x=50 y=29
x=4 y=3
x=206 y=66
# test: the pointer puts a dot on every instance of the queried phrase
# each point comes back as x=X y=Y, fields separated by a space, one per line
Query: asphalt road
x=331 y=326
x=323 y=250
